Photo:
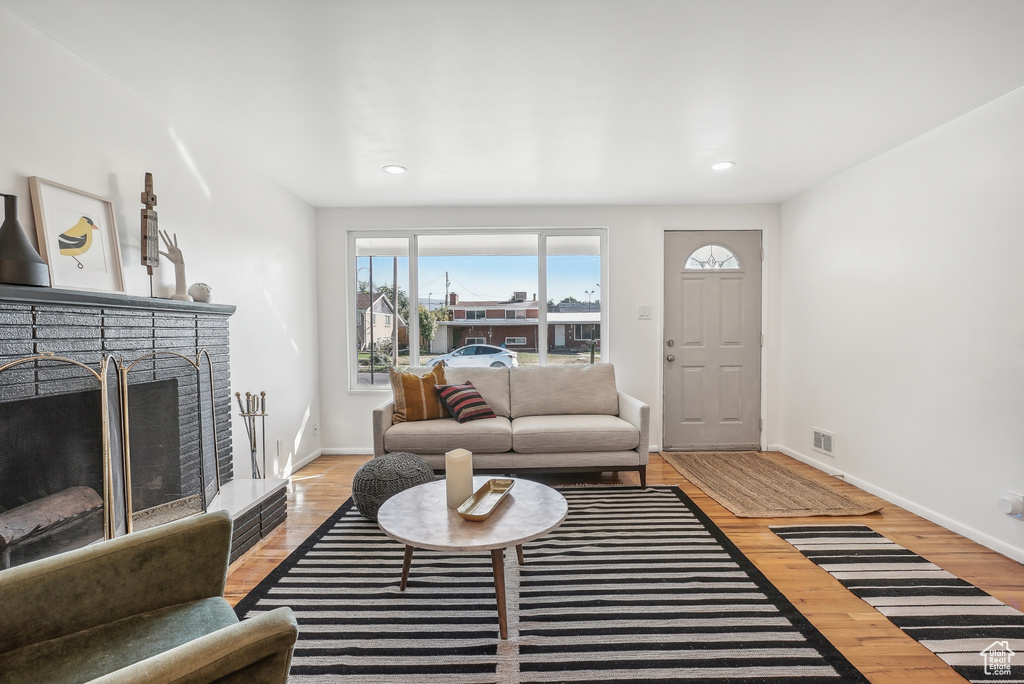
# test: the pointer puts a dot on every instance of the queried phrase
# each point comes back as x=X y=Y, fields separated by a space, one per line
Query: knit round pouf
x=381 y=478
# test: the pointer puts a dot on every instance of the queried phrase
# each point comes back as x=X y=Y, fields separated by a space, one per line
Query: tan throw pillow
x=415 y=396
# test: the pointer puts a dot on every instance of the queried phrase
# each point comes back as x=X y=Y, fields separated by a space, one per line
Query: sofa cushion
x=487 y=436
x=94 y=652
x=561 y=434
x=562 y=390
x=492 y=384
x=592 y=460
x=415 y=396
x=500 y=462
x=464 y=402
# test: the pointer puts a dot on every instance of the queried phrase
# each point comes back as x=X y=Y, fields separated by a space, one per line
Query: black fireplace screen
x=170 y=459
x=64 y=478
x=51 y=475
x=115 y=471
x=155 y=443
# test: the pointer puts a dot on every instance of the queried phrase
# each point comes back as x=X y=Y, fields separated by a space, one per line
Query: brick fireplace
x=168 y=400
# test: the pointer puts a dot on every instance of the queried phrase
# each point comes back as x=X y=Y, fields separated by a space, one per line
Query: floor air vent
x=825 y=442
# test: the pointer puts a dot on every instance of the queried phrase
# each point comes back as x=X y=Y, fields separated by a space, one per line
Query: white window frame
x=478 y=314
x=474 y=340
x=412 y=234
x=515 y=341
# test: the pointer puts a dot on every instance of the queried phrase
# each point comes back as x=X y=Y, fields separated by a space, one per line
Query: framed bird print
x=77 y=237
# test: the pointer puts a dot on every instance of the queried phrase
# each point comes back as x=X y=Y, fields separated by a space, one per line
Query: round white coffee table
x=419 y=517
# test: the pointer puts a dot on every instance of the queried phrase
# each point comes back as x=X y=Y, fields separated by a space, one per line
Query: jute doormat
x=752 y=486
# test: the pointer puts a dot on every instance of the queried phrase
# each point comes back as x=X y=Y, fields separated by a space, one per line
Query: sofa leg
x=643 y=476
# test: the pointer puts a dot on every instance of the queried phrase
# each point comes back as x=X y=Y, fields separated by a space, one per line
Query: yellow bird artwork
x=77 y=239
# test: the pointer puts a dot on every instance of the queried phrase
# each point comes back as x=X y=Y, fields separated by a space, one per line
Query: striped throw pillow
x=464 y=402
x=415 y=396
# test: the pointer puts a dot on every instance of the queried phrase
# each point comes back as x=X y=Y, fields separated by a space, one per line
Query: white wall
x=903 y=323
x=249 y=239
x=636 y=265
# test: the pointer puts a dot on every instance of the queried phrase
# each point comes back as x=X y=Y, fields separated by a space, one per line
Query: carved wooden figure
x=150 y=246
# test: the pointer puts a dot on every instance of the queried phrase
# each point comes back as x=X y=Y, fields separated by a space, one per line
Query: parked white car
x=477 y=355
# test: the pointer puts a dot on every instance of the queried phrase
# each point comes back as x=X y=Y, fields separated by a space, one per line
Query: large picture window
x=574 y=300
x=417 y=295
x=380 y=319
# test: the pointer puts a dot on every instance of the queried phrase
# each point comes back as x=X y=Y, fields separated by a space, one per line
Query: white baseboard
x=1008 y=550
x=309 y=458
x=305 y=460
x=809 y=460
x=335 y=451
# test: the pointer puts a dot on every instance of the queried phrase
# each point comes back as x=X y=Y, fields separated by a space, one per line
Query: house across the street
x=515 y=324
x=375 y=319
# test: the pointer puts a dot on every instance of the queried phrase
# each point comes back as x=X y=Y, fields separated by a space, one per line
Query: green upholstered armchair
x=145 y=607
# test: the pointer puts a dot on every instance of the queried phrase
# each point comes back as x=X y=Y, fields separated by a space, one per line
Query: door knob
x=670 y=358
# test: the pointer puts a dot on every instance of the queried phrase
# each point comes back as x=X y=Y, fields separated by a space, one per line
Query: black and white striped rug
x=978 y=635
x=636 y=585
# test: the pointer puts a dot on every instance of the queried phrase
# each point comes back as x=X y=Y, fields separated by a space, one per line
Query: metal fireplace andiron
x=127 y=446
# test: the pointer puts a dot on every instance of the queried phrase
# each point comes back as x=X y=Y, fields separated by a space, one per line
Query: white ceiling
x=550 y=101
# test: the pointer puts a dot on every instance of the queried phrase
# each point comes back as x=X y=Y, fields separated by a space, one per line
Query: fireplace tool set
x=254 y=407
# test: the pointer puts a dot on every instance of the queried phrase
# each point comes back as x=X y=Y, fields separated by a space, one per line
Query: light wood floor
x=876 y=647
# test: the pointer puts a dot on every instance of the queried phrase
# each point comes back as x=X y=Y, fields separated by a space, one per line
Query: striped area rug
x=636 y=585
x=978 y=635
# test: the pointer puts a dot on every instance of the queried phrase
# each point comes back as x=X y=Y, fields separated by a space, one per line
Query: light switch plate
x=643 y=313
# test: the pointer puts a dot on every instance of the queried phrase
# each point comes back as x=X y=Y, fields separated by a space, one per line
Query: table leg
x=406 y=563
x=498 y=563
x=519 y=554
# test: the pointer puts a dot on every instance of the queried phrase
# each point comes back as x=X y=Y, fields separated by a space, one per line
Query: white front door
x=559 y=335
x=711 y=353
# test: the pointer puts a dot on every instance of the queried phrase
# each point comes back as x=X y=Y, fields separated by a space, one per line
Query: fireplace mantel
x=20 y=294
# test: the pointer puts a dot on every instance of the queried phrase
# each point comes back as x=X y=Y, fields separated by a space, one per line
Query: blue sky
x=495 y=277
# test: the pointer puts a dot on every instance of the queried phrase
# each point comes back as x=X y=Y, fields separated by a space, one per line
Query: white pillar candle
x=458 y=475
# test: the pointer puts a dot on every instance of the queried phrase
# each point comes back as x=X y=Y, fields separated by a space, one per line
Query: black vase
x=20 y=263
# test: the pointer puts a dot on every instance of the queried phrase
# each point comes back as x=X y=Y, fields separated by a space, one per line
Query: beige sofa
x=549 y=418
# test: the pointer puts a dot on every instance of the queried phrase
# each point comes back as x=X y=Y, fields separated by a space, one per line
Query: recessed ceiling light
x=723 y=165
x=394 y=168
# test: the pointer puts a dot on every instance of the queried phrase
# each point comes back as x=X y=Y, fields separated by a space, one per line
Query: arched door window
x=712 y=257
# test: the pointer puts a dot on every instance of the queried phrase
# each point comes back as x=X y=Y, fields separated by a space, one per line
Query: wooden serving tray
x=486 y=499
